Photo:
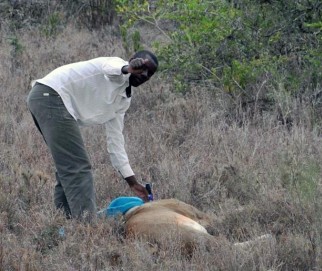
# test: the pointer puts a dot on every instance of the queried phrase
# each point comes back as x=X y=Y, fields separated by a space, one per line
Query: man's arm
x=136 y=65
x=115 y=146
x=113 y=69
x=118 y=155
x=137 y=188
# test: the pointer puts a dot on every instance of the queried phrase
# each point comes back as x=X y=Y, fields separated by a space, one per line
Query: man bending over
x=97 y=91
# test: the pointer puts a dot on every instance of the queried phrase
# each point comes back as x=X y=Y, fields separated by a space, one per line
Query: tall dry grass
x=252 y=177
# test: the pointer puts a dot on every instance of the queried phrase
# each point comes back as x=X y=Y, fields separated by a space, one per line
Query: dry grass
x=252 y=179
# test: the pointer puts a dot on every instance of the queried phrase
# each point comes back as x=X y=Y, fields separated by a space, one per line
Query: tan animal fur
x=175 y=221
x=155 y=221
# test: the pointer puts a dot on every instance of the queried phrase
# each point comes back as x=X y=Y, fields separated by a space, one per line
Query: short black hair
x=147 y=54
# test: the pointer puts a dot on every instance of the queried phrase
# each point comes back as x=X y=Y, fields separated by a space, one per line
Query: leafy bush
x=240 y=47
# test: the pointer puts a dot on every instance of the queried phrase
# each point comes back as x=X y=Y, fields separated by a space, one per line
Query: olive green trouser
x=74 y=191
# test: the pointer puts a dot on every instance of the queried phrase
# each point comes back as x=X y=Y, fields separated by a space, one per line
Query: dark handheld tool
x=148 y=187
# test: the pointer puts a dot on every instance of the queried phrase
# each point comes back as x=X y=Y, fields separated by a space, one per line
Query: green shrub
x=52 y=24
x=239 y=48
x=301 y=178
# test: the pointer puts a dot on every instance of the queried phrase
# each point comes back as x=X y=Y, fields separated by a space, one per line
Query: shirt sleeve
x=113 y=69
x=115 y=146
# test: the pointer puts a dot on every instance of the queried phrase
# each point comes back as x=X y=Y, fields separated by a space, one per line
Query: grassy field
x=253 y=176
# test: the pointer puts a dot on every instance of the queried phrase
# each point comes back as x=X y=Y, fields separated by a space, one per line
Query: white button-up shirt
x=93 y=92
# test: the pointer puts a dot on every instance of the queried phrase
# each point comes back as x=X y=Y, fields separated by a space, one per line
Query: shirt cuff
x=126 y=171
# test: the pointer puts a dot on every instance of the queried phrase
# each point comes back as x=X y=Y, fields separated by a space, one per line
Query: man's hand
x=137 y=188
x=136 y=66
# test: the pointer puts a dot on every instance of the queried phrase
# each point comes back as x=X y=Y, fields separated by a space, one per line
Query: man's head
x=150 y=67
